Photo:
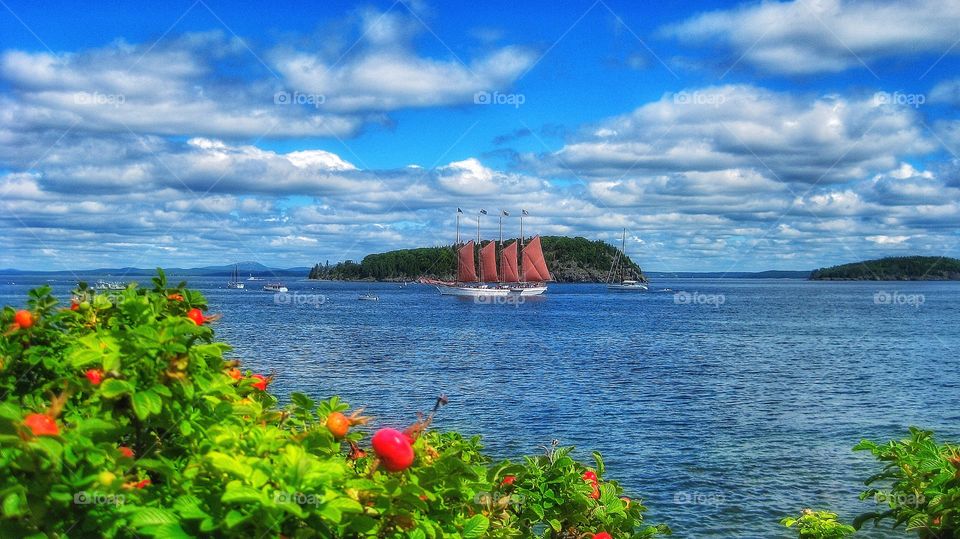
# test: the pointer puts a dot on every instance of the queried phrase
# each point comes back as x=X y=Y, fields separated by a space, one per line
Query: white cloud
x=814 y=36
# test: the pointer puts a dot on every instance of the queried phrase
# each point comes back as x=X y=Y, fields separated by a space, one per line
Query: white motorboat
x=275 y=287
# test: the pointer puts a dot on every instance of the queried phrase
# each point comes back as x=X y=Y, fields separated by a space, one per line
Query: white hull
x=235 y=285
x=627 y=287
x=280 y=289
x=492 y=291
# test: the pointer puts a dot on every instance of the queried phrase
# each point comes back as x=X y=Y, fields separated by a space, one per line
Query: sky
x=723 y=136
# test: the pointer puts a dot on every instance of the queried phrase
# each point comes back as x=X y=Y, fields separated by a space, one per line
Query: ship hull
x=627 y=287
x=479 y=292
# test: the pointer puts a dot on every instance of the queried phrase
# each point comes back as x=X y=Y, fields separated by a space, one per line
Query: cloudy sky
x=724 y=136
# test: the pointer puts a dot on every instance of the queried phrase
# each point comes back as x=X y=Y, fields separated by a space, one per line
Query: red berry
x=24 y=319
x=595 y=494
x=95 y=376
x=393 y=448
x=143 y=483
x=590 y=476
x=74 y=305
x=196 y=315
x=508 y=480
x=261 y=381
x=235 y=374
x=125 y=451
x=338 y=425
x=41 y=425
x=602 y=535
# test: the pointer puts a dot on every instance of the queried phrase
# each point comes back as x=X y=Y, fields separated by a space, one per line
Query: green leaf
x=152 y=516
x=475 y=527
x=12 y=506
x=113 y=388
x=237 y=492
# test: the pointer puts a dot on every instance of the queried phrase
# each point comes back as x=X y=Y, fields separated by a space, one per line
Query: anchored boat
x=617 y=277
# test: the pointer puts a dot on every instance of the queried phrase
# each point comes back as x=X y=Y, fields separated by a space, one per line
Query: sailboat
x=616 y=278
x=235 y=279
x=530 y=280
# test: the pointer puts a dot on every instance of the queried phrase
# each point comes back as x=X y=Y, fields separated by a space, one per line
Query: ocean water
x=723 y=404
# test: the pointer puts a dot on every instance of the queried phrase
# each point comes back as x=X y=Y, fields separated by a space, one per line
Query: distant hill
x=571 y=260
x=245 y=268
x=769 y=274
x=901 y=268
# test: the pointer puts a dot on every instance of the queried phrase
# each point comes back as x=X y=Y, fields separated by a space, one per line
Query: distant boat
x=368 y=297
x=616 y=278
x=235 y=279
x=109 y=285
x=252 y=278
x=530 y=280
x=275 y=287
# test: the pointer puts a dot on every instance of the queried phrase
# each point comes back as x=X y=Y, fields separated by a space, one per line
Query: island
x=571 y=260
x=894 y=268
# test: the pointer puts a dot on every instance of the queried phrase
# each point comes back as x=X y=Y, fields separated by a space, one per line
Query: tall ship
x=235 y=281
x=527 y=276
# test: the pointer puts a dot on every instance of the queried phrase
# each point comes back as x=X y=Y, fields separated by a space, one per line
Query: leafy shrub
x=818 y=525
x=923 y=477
x=121 y=416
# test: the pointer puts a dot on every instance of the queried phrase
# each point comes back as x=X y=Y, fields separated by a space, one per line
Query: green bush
x=919 y=485
x=121 y=416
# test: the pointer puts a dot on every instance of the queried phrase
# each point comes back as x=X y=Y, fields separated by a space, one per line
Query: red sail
x=508 y=264
x=467 y=273
x=488 y=262
x=534 y=266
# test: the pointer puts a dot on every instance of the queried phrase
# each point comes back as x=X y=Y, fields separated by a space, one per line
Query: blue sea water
x=724 y=404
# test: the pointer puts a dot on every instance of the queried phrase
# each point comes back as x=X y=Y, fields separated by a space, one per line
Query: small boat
x=617 y=280
x=109 y=285
x=235 y=279
x=252 y=278
x=275 y=287
x=368 y=297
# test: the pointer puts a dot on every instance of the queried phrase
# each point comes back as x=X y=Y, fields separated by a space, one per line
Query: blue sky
x=722 y=135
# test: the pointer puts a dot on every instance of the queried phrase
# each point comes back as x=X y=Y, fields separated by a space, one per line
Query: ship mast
x=523 y=278
x=623 y=253
x=456 y=245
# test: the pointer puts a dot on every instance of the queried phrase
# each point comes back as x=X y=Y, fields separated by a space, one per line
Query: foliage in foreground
x=919 y=486
x=122 y=417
